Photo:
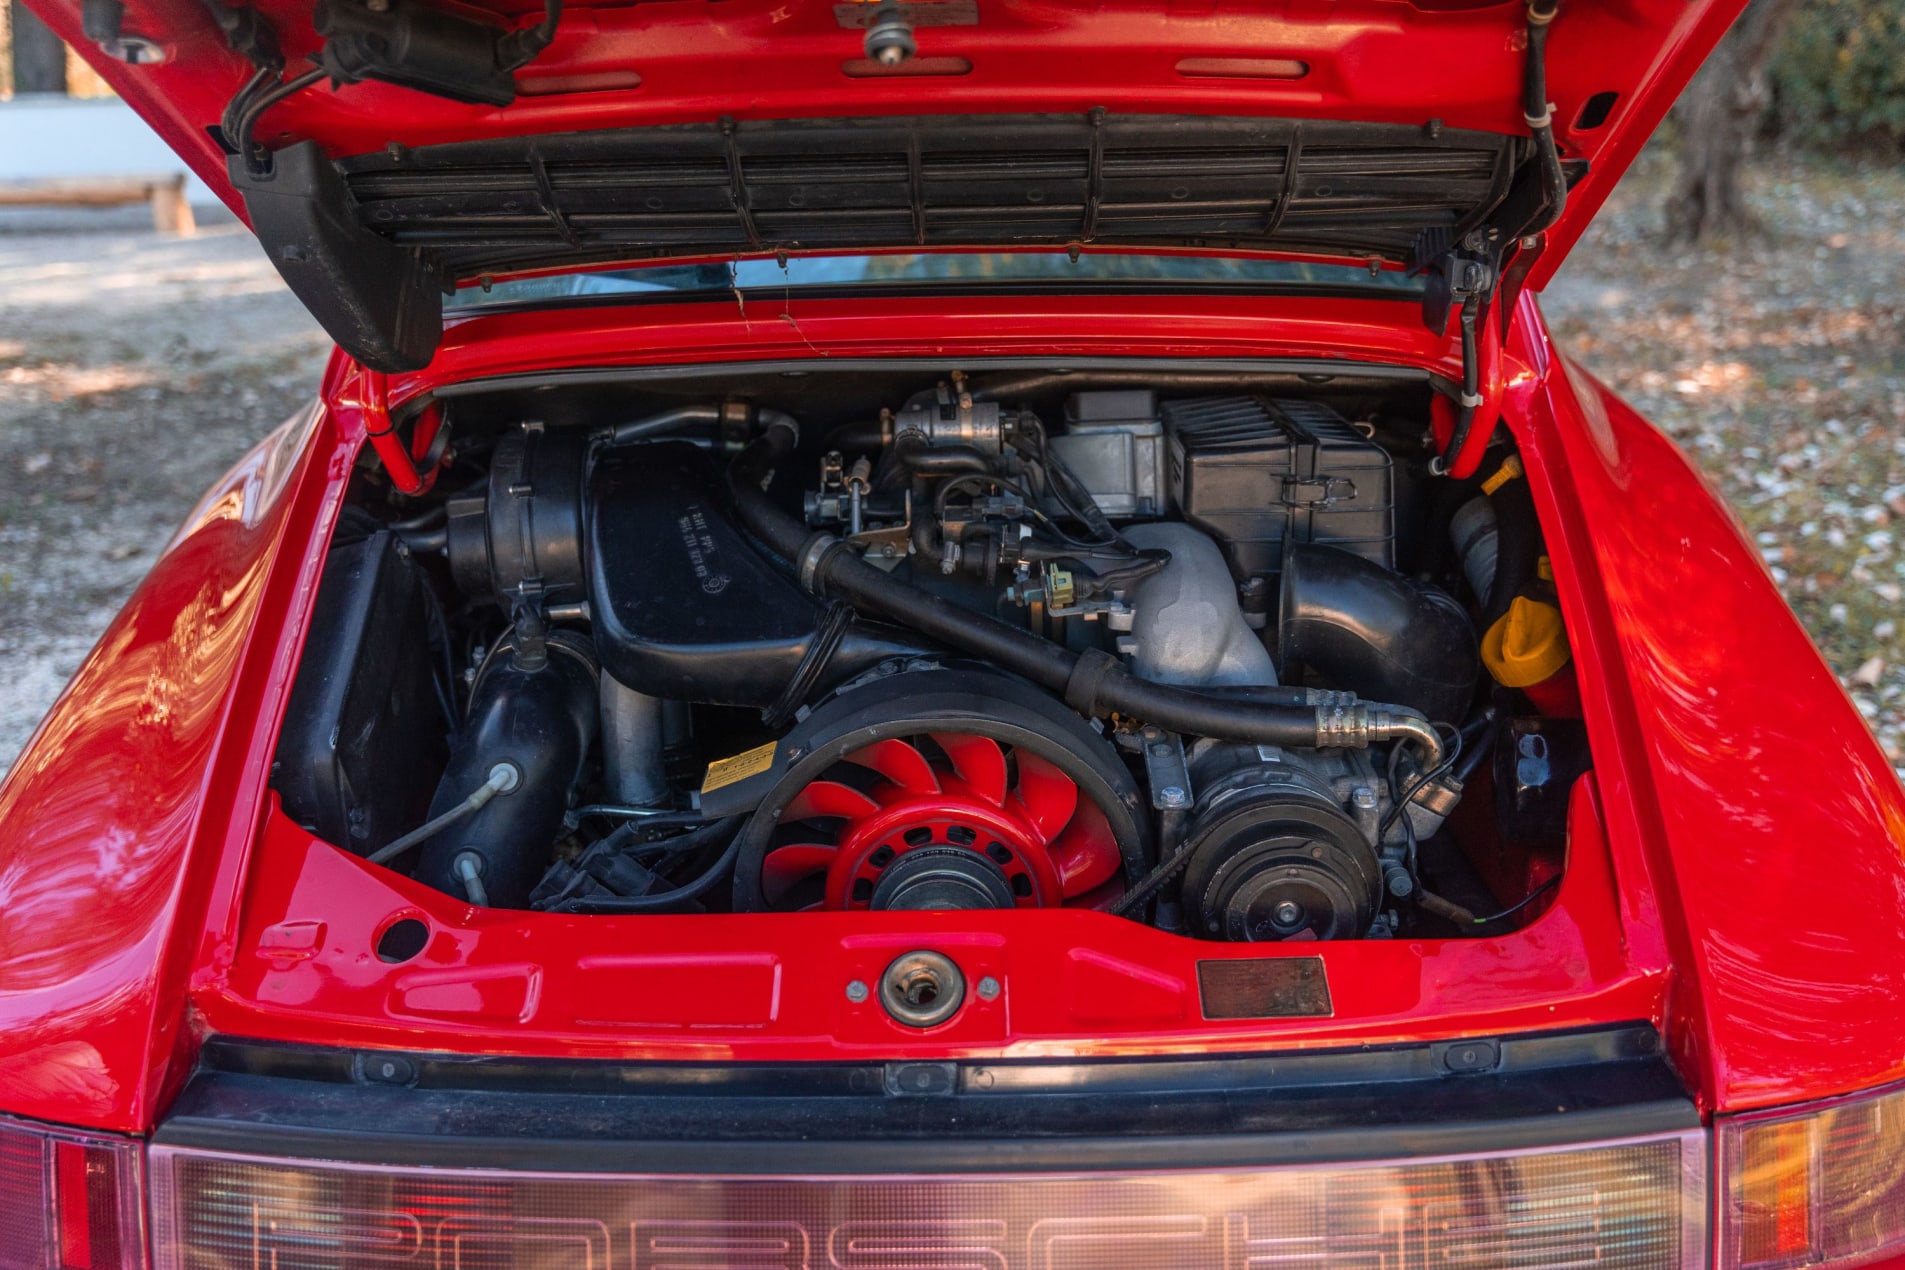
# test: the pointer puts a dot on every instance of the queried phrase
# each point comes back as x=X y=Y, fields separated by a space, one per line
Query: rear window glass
x=904 y=271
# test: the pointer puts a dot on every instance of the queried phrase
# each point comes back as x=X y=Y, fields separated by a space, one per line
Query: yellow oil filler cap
x=1526 y=645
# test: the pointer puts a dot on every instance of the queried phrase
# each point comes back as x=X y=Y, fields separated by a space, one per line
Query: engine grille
x=1326 y=187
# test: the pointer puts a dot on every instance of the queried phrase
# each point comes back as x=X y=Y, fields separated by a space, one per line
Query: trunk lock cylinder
x=922 y=989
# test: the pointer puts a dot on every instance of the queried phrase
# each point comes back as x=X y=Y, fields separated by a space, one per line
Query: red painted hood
x=1337 y=130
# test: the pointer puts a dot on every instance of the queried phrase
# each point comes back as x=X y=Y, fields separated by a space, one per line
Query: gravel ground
x=134 y=369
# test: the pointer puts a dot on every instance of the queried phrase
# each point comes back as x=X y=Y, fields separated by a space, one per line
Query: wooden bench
x=171 y=213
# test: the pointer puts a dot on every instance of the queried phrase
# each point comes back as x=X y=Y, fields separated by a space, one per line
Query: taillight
x=69 y=1201
x=1627 y=1205
x=1823 y=1185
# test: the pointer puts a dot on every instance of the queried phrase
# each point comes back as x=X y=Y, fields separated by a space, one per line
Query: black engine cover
x=685 y=607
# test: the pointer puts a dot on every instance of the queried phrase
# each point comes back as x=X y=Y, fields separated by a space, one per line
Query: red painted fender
x=112 y=822
x=1753 y=795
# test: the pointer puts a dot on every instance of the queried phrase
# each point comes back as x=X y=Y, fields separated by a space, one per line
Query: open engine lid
x=399 y=147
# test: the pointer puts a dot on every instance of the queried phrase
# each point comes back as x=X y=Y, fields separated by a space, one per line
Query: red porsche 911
x=943 y=633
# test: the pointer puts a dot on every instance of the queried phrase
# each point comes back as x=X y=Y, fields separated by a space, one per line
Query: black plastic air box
x=364 y=737
x=683 y=605
x=1253 y=471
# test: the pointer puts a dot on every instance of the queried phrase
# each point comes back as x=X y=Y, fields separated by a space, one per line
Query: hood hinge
x=412 y=468
x=1461 y=280
x=1466 y=276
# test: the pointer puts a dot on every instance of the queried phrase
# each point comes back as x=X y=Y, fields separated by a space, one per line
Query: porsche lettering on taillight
x=1618 y=1205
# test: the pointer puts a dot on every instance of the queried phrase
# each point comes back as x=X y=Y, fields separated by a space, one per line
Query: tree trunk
x=1717 y=115
x=39 y=59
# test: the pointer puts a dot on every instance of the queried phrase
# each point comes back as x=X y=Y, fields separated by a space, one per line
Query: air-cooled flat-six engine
x=1159 y=657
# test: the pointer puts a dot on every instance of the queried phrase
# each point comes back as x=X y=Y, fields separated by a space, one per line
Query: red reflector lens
x=69 y=1201
x=72 y=1207
x=88 y=1205
x=1619 y=1206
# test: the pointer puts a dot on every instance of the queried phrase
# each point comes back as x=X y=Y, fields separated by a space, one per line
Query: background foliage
x=1839 y=77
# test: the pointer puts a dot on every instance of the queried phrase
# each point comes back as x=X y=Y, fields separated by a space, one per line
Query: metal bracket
x=1301 y=491
x=1165 y=769
x=1453 y=271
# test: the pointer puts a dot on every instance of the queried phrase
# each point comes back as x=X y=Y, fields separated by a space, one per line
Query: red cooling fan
x=946 y=815
x=933 y=788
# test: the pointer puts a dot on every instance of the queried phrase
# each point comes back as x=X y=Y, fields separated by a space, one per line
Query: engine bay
x=1216 y=652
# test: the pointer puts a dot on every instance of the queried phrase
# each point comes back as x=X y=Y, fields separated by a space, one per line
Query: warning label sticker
x=738 y=767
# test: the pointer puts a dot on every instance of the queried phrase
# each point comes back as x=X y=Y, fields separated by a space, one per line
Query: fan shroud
x=943 y=789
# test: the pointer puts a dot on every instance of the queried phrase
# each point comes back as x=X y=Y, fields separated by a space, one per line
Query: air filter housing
x=1254 y=471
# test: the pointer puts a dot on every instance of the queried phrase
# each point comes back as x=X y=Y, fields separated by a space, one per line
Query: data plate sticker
x=739 y=767
x=1264 y=988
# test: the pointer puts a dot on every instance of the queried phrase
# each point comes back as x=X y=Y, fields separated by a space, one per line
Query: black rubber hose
x=666 y=421
x=1534 y=108
x=1183 y=710
x=922 y=458
x=852 y=437
x=847 y=577
x=1261 y=695
x=1094 y=683
x=263 y=76
x=1554 y=184
x=787 y=539
x=428 y=542
x=1475 y=754
x=518 y=48
x=1517 y=546
x=926 y=529
x=1471 y=387
x=257 y=160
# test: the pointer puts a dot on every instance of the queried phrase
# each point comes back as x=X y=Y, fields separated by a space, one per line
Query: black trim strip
x=1434 y=1099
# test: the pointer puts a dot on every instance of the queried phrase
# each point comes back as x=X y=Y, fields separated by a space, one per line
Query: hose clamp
x=1342 y=724
x=1087 y=680
x=1543 y=120
x=811 y=557
x=1329 y=698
